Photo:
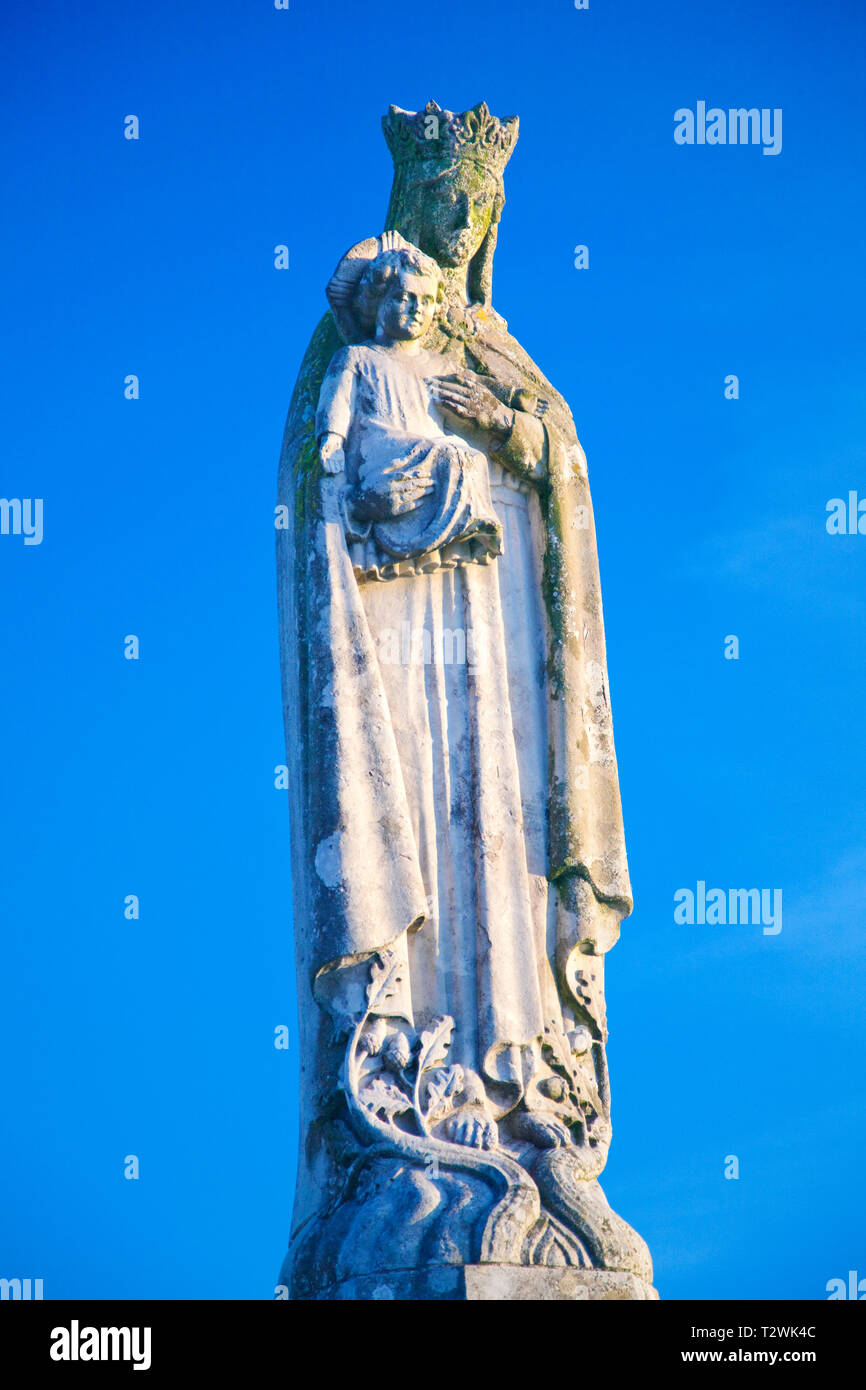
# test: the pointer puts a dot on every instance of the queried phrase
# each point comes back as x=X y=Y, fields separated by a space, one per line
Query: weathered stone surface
x=491 y=1283
x=506 y=1283
x=458 y=860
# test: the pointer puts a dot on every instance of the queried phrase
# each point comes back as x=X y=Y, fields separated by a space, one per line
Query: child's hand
x=331 y=453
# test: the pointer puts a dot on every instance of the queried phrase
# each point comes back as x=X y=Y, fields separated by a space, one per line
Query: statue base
x=492 y=1283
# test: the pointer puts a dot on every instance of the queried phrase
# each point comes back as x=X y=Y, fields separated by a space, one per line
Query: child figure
x=414 y=488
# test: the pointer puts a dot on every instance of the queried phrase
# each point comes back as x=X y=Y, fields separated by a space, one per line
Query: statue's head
x=448 y=190
x=387 y=271
x=399 y=293
x=456 y=210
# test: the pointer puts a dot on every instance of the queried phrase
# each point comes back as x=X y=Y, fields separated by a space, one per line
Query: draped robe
x=466 y=815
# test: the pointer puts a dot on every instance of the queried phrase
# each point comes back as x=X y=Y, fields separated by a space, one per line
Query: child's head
x=399 y=294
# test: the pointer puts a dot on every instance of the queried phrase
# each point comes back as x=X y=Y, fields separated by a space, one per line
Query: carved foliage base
x=425 y=1184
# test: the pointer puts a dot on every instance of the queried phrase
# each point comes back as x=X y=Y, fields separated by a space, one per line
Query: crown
x=438 y=138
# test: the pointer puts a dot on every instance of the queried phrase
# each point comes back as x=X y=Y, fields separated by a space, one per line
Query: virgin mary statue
x=458 y=863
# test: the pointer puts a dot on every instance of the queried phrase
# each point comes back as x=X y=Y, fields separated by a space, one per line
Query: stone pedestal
x=515 y=1283
x=493 y=1283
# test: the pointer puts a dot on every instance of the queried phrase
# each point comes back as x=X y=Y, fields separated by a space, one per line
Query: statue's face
x=456 y=212
x=408 y=306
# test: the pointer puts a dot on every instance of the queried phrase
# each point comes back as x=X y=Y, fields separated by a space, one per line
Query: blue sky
x=155 y=257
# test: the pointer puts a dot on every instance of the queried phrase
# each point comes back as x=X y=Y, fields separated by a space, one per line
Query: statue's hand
x=391 y=494
x=331 y=453
x=469 y=399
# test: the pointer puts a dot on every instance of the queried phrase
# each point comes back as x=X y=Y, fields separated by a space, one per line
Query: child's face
x=408 y=306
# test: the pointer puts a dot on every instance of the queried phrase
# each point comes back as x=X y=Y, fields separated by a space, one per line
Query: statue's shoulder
x=504 y=357
x=346 y=357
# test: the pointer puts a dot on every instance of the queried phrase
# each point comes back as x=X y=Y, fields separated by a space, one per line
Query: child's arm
x=332 y=453
x=334 y=411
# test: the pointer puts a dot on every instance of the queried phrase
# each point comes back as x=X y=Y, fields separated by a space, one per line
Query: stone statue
x=458 y=862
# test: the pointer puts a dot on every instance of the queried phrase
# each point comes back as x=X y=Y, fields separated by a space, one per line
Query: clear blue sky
x=258 y=127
